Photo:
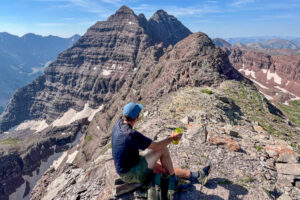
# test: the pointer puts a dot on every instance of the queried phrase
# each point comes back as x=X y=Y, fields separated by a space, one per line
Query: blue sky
x=217 y=18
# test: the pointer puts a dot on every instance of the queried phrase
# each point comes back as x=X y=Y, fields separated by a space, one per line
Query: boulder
x=258 y=129
x=284 y=197
x=285 y=180
x=115 y=184
x=224 y=142
x=297 y=183
x=286 y=168
x=196 y=131
x=186 y=120
x=230 y=130
x=282 y=153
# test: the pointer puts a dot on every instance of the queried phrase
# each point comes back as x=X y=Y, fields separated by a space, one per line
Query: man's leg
x=181 y=173
x=166 y=163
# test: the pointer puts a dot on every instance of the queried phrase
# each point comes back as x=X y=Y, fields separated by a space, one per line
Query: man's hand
x=176 y=136
x=157 y=146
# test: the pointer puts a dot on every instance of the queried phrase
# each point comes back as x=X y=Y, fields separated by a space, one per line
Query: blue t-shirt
x=126 y=143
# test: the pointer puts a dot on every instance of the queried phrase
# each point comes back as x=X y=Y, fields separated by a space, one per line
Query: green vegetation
x=89 y=138
x=268 y=193
x=207 y=91
x=253 y=105
x=186 y=166
x=11 y=141
x=259 y=148
x=292 y=111
x=296 y=146
x=248 y=179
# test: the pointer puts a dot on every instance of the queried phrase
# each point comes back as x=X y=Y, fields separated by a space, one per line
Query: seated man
x=134 y=168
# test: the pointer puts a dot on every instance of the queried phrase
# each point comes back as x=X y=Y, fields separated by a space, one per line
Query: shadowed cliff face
x=94 y=69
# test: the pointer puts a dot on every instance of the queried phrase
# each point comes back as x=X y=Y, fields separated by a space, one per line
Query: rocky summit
x=182 y=79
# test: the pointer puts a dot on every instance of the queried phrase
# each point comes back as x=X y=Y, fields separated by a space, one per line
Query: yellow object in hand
x=177 y=131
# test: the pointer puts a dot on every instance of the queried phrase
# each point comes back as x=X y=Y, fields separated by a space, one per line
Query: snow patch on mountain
x=72 y=115
x=270 y=75
x=36 y=125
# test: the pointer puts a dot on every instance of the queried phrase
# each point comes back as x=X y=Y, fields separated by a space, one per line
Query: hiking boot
x=202 y=179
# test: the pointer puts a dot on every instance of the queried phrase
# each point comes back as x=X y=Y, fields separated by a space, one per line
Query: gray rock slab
x=286 y=168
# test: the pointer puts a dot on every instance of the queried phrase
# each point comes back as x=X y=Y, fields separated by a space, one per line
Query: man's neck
x=131 y=123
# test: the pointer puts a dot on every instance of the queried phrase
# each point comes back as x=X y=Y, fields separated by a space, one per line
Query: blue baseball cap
x=132 y=109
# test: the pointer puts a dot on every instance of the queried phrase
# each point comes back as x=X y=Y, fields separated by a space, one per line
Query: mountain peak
x=167 y=27
x=124 y=13
x=125 y=9
x=161 y=12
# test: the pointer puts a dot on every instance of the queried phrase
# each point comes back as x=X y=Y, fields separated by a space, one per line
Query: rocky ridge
x=251 y=170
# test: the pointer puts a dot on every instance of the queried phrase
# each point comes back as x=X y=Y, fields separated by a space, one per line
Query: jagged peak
x=123 y=13
x=125 y=9
x=161 y=14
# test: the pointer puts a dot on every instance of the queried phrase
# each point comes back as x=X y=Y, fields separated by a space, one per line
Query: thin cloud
x=113 y=2
x=198 y=10
x=47 y=24
x=242 y=2
x=91 y=6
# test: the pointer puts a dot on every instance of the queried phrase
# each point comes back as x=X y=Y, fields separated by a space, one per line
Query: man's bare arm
x=157 y=146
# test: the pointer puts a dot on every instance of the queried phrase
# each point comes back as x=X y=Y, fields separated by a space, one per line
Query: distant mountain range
x=246 y=40
x=260 y=42
x=24 y=58
x=270 y=47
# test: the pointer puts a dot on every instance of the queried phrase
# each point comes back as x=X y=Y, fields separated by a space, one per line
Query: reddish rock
x=258 y=129
x=282 y=153
x=276 y=76
x=224 y=142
